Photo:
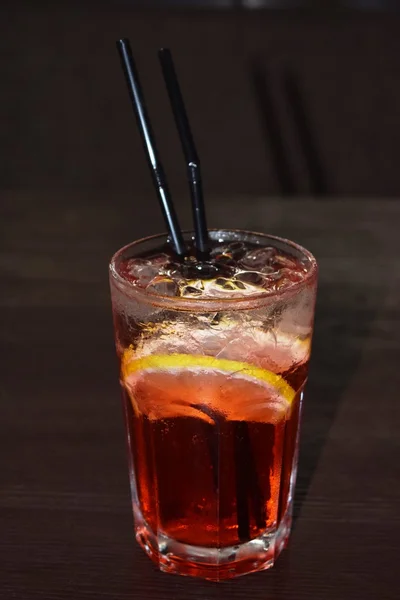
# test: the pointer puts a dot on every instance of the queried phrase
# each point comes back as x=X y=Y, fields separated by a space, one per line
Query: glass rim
x=212 y=304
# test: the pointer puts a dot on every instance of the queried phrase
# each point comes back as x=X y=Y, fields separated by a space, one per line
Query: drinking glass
x=212 y=387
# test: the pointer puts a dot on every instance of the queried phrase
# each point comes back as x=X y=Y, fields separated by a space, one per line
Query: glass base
x=214 y=564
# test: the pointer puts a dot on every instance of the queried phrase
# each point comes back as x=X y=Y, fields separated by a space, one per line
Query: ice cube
x=133 y=266
x=220 y=250
x=225 y=260
x=267 y=270
x=274 y=275
x=285 y=277
x=237 y=249
x=139 y=270
x=196 y=283
x=159 y=260
x=239 y=284
x=230 y=285
x=260 y=257
x=164 y=286
x=284 y=261
x=232 y=288
x=294 y=275
x=252 y=277
x=189 y=290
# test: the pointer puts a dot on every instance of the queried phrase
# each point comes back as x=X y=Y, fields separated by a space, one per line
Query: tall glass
x=212 y=392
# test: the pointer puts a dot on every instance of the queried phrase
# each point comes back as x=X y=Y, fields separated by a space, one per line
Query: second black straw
x=189 y=151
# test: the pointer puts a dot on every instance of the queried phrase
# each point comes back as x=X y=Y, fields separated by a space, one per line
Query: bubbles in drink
x=234 y=269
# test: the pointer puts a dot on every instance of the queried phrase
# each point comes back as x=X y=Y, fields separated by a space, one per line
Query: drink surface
x=234 y=269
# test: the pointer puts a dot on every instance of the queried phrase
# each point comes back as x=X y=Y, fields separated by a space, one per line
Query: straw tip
x=122 y=42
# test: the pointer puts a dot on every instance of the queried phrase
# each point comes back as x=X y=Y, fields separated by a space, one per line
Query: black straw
x=189 y=151
x=157 y=171
x=242 y=484
x=248 y=489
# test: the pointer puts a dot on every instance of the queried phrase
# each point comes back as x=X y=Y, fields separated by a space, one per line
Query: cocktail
x=212 y=372
x=213 y=341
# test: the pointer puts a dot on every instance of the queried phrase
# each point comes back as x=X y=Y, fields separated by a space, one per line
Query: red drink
x=212 y=401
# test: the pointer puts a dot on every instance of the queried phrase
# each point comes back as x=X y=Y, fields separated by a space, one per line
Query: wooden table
x=65 y=517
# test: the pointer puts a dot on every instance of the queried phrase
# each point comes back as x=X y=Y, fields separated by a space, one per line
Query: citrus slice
x=273 y=350
x=170 y=385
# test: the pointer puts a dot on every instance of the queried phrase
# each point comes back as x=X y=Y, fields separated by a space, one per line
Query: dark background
x=282 y=101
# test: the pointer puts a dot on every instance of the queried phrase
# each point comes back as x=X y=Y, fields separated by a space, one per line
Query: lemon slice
x=272 y=350
x=168 y=385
